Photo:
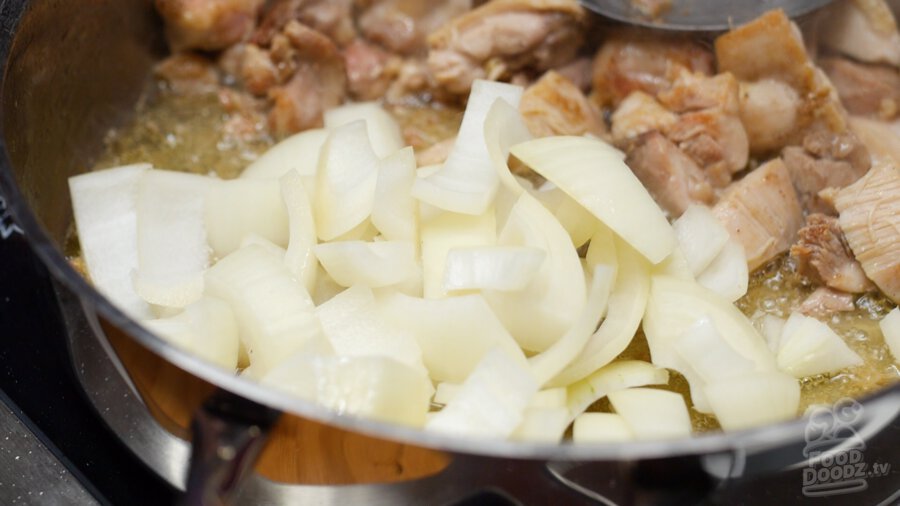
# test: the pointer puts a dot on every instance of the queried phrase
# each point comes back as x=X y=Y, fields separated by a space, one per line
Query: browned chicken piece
x=865 y=89
x=673 y=179
x=652 y=8
x=370 y=70
x=334 y=18
x=257 y=72
x=693 y=91
x=637 y=60
x=870 y=219
x=555 y=106
x=769 y=110
x=579 y=72
x=638 y=114
x=823 y=256
x=826 y=160
x=761 y=211
x=715 y=140
x=402 y=26
x=880 y=138
x=188 y=74
x=503 y=37
x=207 y=25
x=862 y=29
x=824 y=302
x=317 y=79
x=246 y=121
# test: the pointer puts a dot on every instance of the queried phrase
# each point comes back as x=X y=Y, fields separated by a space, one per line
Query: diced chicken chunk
x=638 y=114
x=402 y=26
x=869 y=211
x=333 y=18
x=188 y=74
x=207 y=24
x=715 y=140
x=769 y=110
x=761 y=212
x=635 y=60
x=863 y=29
x=370 y=70
x=673 y=179
x=865 y=89
x=824 y=302
x=502 y=37
x=555 y=106
x=824 y=256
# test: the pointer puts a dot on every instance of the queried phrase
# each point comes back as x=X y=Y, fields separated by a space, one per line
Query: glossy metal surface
x=701 y=15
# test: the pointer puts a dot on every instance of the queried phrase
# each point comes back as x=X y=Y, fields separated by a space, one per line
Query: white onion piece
x=594 y=174
x=652 y=413
x=612 y=378
x=446 y=232
x=453 y=333
x=554 y=359
x=373 y=264
x=550 y=398
x=890 y=328
x=505 y=268
x=299 y=256
x=172 y=245
x=298 y=152
x=675 y=265
x=275 y=314
x=105 y=208
x=542 y=425
x=468 y=181
x=754 y=400
x=623 y=317
x=378 y=388
x=600 y=428
x=771 y=327
x=240 y=207
x=602 y=250
x=541 y=313
x=578 y=221
x=207 y=328
x=811 y=347
x=355 y=327
x=728 y=273
x=445 y=392
x=701 y=237
x=384 y=132
x=491 y=402
x=326 y=288
x=395 y=212
x=708 y=355
x=346 y=180
x=504 y=128
x=258 y=240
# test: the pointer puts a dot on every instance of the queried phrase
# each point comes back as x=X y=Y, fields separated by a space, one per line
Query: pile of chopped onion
x=450 y=297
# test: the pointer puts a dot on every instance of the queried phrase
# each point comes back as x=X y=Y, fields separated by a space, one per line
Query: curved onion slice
x=728 y=273
x=240 y=207
x=206 y=328
x=275 y=314
x=611 y=378
x=550 y=398
x=652 y=413
x=504 y=128
x=445 y=232
x=491 y=401
x=543 y=425
x=373 y=387
x=298 y=152
x=890 y=327
x=748 y=401
x=541 y=313
x=600 y=428
x=395 y=211
x=468 y=180
x=809 y=347
x=453 y=333
x=626 y=308
x=505 y=268
x=594 y=174
x=299 y=256
x=384 y=132
x=105 y=208
x=345 y=183
x=701 y=237
x=373 y=264
x=171 y=237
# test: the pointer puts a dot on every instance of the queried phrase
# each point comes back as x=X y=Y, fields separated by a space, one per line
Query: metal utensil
x=701 y=15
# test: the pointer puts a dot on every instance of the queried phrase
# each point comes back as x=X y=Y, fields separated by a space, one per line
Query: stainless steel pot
x=73 y=69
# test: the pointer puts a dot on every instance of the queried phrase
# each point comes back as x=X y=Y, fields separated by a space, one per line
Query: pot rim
x=769 y=436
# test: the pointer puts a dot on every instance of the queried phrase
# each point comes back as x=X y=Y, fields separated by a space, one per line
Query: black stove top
x=38 y=385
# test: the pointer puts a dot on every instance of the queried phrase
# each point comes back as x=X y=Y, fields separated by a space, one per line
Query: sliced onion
x=705 y=352
x=299 y=256
x=675 y=265
x=446 y=232
x=594 y=174
x=753 y=400
x=728 y=273
x=384 y=132
x=206 y=328
x=541 y=313
x=504 y=128
x=395 y=212
x=373 y=264
x=601 y=428
x=612 y=378
x=240 y=207
x=701 y=237
x=346 y=180
x=542 y=425
x=651 y=413
x=105 y=208
x=504 y=268
x=445 y=392
x=890 y=328
x=491 y=402
x=809 y=347
x=550 y=398
x=468 y=181
x=453 y=333
x=298 y=152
